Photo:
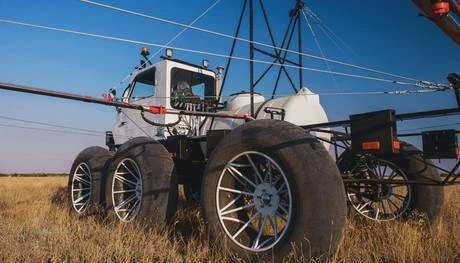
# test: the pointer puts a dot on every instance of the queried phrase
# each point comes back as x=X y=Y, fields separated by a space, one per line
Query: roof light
x=220 y=70
x=169 y=52
x=205 y=63
x=145 y=51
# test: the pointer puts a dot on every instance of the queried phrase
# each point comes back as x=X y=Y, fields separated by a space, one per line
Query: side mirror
x=113 y=92
x=111 y=96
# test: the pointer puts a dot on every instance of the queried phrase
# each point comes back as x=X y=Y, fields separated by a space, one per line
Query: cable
x=336 y=93
x=47 y=130
x=50 y=125
x=318 y=45
x=336 y=44
x=419 y=84
x=201 y=52
x=85 y=131
x=173 y=39
x=167 y=125
x=242 y=39
x=327 y=30
x=407 y=92
x=327 y=34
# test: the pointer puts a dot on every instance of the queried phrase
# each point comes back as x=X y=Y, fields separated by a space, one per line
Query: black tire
x=157 y=184
x=318 y=211
x=93 y=162
x=426 y=199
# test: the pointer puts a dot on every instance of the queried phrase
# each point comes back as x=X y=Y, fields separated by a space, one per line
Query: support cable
x=241 y=39
x=204 y=52
x=318 y=45
x=336 y=44
x=328 y=31
x=336 y=93
x=47 y=130
x=73 y=130
x=51 y=125
x=172 y=39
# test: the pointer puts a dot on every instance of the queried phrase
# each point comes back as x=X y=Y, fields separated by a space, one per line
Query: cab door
x=129 y=123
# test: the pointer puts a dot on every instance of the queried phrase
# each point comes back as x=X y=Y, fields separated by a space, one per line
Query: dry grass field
x=36 y=227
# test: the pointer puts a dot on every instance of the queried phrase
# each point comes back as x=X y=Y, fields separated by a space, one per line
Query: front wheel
x=85 y=186
x=268 y=188
x=141 y=185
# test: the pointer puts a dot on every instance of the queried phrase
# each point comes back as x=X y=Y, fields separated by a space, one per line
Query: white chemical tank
x=239 y=100
x=301 y=109
x=304 y=108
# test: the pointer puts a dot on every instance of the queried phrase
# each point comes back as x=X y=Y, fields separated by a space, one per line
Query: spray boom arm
x=111 y=102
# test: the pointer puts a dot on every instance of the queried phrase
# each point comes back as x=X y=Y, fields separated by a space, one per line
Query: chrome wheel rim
x=254 y=201
x=387 y=201
x=81 y=188
x=127 y=190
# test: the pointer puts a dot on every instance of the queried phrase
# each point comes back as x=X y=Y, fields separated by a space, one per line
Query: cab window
x=189 y=87
x=143 y=86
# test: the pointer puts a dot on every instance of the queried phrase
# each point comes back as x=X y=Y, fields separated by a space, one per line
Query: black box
x=440 y=144
x=374 y=132
x=179 y=146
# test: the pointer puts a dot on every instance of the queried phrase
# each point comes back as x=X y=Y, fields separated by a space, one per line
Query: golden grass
x=35 y=226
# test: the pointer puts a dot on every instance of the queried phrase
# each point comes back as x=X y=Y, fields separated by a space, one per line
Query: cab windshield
x=191 y=89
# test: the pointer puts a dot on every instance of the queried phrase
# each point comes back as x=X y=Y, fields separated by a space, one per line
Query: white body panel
x=301 y=109
x=129 y=123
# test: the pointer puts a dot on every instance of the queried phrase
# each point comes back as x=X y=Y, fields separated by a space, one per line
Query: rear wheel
x=269 y=187
x=86 y=179
x=427 y=199
x=408 y=164
x=380 y=202
x=141 y=185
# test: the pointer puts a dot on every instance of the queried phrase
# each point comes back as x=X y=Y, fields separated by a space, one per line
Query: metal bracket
x=454 y=80
x=452 y=177
x=275 y=111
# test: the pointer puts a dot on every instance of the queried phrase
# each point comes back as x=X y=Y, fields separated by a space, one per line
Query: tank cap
x=304 y=91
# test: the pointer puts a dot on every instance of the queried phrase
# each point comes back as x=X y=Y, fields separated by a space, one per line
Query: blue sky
x=388 y=36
